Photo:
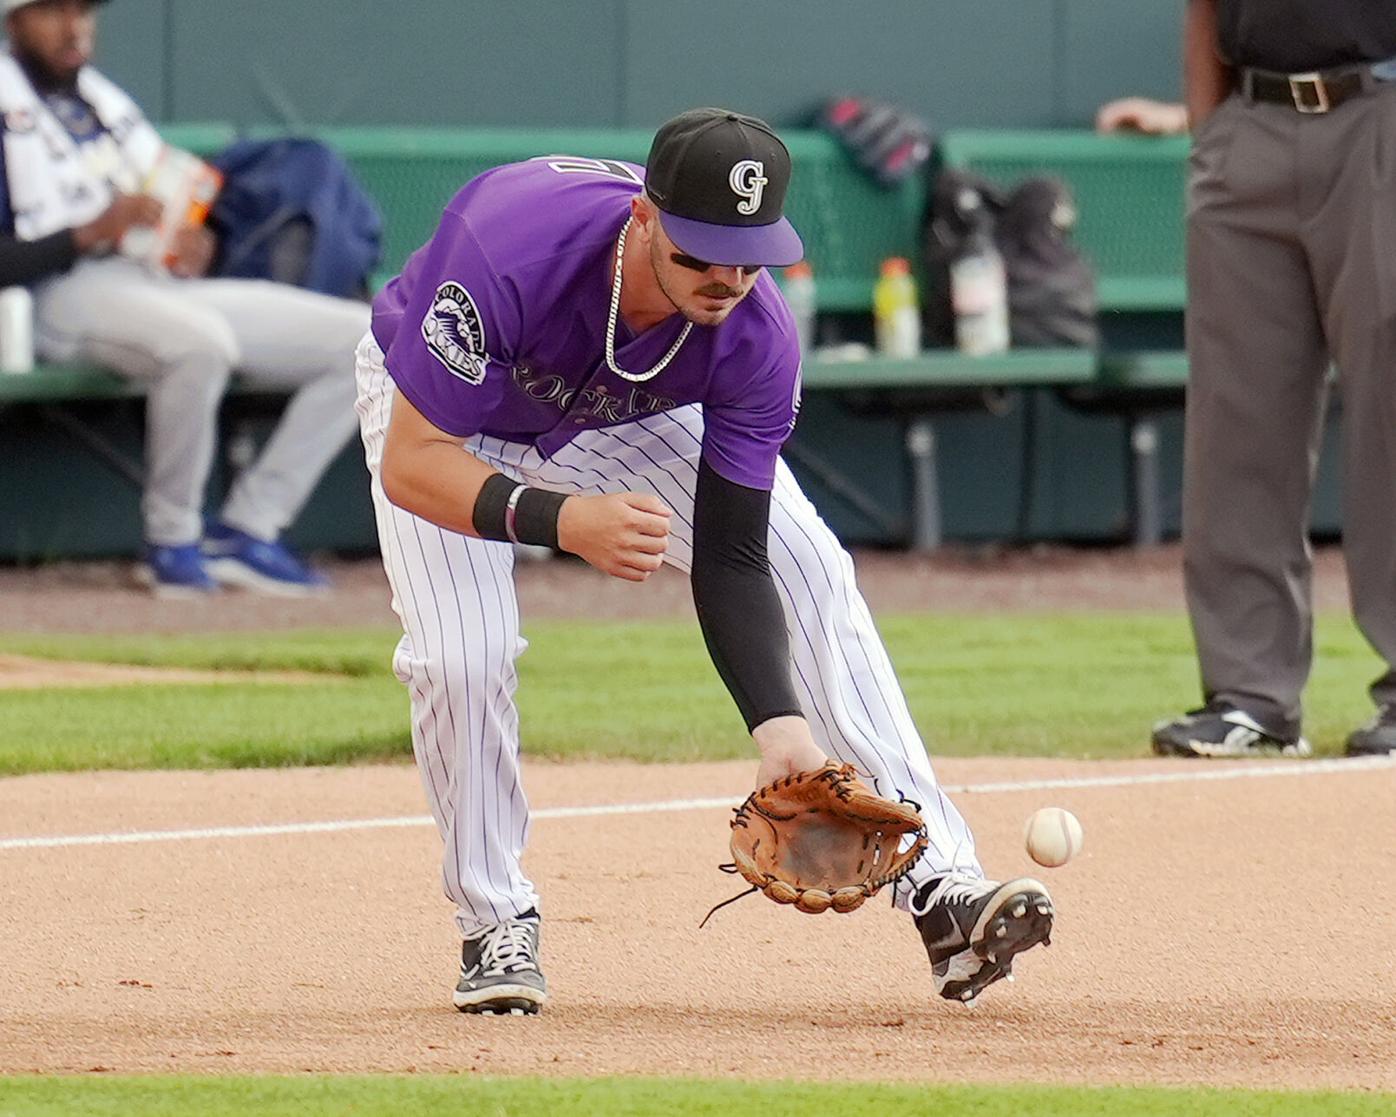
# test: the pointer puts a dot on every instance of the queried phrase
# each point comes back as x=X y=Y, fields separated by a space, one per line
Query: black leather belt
x=1317 y=91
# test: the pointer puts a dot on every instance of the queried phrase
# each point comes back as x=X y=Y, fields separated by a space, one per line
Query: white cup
x=16 y=330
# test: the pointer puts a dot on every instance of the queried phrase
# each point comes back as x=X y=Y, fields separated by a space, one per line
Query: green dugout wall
x=578 y=63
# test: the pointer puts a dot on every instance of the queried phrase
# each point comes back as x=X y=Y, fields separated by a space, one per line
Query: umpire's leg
x=1257 y=364
x=1351 y=238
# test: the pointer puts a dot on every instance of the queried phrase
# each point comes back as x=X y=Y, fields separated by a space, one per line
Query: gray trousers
x=1291 y=263
x=184 y=338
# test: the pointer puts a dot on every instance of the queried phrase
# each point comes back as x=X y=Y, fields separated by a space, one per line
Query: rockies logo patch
x=454 y=333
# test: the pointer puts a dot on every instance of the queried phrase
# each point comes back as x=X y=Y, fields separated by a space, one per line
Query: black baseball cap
x=719 y=180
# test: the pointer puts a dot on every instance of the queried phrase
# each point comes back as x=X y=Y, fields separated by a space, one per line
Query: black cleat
x=1377 y=737
x=499 y=972
x=1221 y=730
x=972 y=929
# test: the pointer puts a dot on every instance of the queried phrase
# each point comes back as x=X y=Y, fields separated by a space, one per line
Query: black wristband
x=535 y=517
x=490 y=505
x=511 y=512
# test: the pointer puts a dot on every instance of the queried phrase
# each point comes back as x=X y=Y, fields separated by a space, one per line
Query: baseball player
x=76 y=157
x=592 y=356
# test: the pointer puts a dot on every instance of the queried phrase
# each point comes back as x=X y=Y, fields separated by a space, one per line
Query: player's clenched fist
x=625 y=534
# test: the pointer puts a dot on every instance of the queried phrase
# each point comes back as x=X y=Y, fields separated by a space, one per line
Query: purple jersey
x=497 y=326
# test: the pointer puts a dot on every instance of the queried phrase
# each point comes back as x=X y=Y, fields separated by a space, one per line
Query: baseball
x=1053 y=836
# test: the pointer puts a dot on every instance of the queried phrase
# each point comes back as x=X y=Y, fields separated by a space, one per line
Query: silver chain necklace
x=633 y=377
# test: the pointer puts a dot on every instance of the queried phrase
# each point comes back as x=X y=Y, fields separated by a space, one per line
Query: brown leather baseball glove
x=823 y=839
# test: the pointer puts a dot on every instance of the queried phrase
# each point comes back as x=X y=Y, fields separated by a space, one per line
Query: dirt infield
x=1232 y=932
x=1221 y=931
x=22 y=672
x=97 y=597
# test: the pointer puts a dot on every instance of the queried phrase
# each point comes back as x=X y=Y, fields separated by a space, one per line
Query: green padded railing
x=61 y=382
x=203 y=139
x=1144 y=369
x=1129 y=192
x=946 y=368
x=849 y=224
x=50 y=383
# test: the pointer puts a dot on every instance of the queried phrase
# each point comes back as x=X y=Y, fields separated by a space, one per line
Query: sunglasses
x=684 y=260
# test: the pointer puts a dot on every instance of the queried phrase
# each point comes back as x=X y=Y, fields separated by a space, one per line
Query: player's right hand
x=787 y=748
x=622 y=534
x=126 y=210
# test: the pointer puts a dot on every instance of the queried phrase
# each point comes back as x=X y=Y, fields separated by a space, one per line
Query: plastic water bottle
x=16 y=330
x=979 y=285
x=801 y=297
x=896 y=310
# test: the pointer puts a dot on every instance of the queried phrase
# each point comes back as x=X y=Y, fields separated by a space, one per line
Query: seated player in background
x=76 y=159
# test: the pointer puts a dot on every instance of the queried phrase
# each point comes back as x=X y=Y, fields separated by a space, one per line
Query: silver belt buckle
x=1312 y=81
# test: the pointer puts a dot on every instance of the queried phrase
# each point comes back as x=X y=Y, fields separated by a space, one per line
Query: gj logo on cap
x=718 y=179
x=748 y=179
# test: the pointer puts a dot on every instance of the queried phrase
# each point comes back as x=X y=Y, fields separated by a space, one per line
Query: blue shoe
x=235 y=558
x=175 y=571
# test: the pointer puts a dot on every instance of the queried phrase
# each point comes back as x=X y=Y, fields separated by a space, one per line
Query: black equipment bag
x=1051 y=287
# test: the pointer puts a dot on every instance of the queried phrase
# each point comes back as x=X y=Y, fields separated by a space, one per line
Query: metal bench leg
x=842 y=486
x=1147 y=513
x=104 y=450
x=925 y=485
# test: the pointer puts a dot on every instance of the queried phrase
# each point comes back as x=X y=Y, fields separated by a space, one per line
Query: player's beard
x=47 y=78
x=683 y=300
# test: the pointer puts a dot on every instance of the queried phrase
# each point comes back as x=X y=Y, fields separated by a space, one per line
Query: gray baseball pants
x=184 y=338
x=1291 y=263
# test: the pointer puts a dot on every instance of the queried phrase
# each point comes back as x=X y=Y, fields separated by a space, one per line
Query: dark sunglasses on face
x=684 y=260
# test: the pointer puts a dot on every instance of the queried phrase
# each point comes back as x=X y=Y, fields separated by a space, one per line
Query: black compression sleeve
x=28 y=261
x=738 y=608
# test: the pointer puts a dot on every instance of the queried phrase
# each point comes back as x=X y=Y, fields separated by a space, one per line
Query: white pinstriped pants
x=455 y=596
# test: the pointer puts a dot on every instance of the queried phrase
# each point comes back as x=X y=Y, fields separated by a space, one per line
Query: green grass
x=358 y=653
x=392 y=1096
x=220 y=726
x=1080 y=685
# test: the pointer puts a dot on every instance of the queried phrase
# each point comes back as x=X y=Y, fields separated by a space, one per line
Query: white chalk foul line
x=1197 y=775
